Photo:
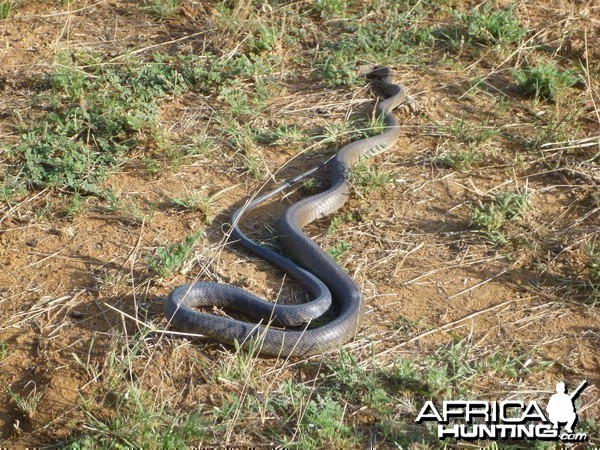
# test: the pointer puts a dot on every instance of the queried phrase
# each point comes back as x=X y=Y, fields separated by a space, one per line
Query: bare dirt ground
x=428 y=278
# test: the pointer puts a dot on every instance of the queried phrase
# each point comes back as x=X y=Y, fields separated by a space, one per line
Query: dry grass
x=238 y=98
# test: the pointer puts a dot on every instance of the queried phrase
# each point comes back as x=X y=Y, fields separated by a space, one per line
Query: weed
x=545 y=80
x=3 y=350
x=374 y=390
x=282 y=134
x=593 y=266
x=459 y=366
x=323 y=423
x=555 y=129
x=27 y=405
x=95 y=112
x=374 y=125
x=336 y=70
x=361 y=385
x=488 y=26
x=6 y=6
x=163 y=8
x=501 y=366
x=337 y=131
x=484 y=26
x=241 y=366
x=137 y=422
x=263 y=39
x=167 y=260
x=330 y=9
x=196 y=202
x=489 y=218
x=396 y=36
x=338 y=250
x=338 y=220
x=199 y=146
x=151 y=165
x=459 y=160
x=237 y=99
x=75 y=205
x=368 y=178
x=240 y=137
x=460 y=130
x=319 y=421
x=129 y=209
x=253 y=165
x=139 y=419
x=228 y=409
x=12 y=188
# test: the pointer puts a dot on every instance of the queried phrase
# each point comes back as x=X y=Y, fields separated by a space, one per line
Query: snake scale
x=284 y=330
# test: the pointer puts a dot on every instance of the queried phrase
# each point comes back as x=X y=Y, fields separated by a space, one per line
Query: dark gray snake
x=284 y=330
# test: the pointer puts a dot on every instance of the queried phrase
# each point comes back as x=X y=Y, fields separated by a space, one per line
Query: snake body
x=329 y=285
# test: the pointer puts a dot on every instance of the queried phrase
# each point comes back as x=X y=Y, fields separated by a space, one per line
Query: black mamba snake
x=327 y=282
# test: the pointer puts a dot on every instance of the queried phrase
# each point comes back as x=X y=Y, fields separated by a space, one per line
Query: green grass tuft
x=459 y=160
x=162 y=8
x=545 y=80
x=6 y=7
x=95 y=112
x=490 y=218
x=489 y=26
x=167 y=260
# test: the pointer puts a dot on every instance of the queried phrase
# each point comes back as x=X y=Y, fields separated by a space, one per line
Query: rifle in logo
x=561 y=407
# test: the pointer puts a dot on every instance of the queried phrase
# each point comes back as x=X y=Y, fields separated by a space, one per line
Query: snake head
x=378 y=73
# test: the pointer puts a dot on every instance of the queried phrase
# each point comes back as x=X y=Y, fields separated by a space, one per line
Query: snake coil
x=282 y=330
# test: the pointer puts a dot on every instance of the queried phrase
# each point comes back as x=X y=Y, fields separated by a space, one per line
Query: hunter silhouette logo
x=507 y=419
x=561 y=406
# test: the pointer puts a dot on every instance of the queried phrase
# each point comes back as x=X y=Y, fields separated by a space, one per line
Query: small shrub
x=545 y=80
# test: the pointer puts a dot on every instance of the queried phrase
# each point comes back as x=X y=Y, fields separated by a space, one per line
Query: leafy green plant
x=263 y=38
x=396 y=36
x=75 y=205
x=137 y=423
x=459 y=160
x=329 y=9
x=337 y=71
x=236 y=98
x=483 y=25
x=489 y=26
x=163 y=8
x=95 y=113
x=545 y=79
x=338 y=250
x=337 y=220
x=489 y=218
x=196 y=202
x=366 y=178
x=319 y=419
x=11 y=187
x=167 y=260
